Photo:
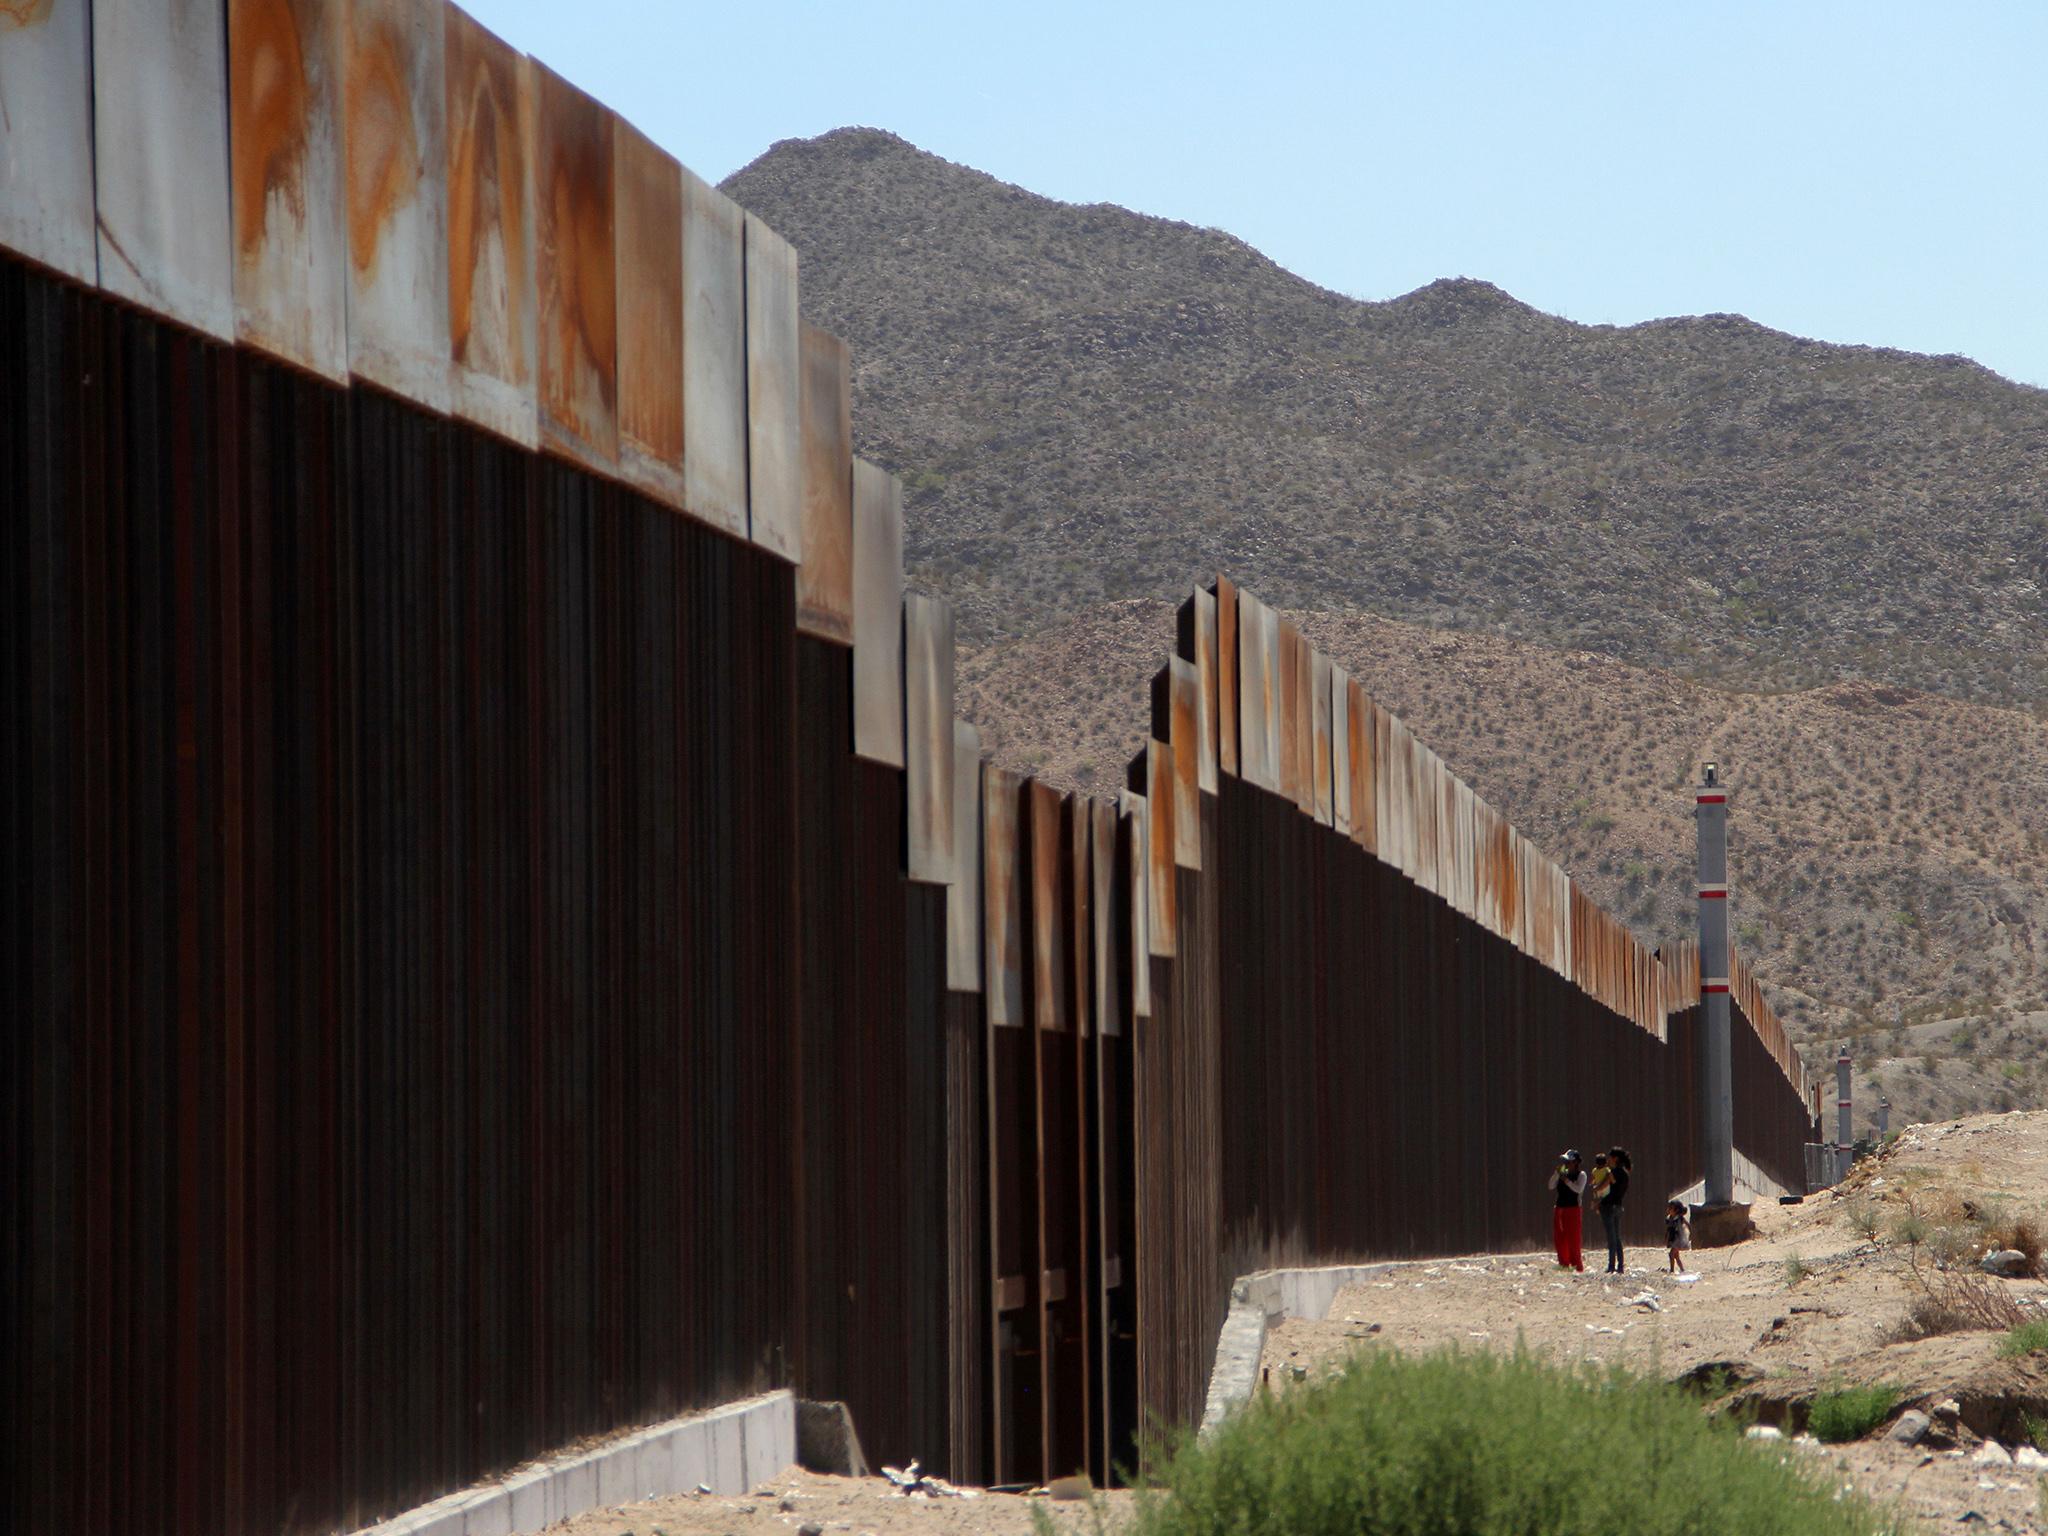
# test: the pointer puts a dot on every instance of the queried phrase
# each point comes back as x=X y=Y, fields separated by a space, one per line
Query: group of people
x=1606 y=1184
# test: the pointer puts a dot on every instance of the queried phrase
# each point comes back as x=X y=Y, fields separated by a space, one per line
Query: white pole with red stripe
x=1716 y=1065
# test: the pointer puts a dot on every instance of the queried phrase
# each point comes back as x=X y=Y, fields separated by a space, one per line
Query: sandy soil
x=809 y=1502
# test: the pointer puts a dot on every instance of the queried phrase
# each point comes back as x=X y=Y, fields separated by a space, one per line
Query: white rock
x=2027 y=1456
x=1992 y=1454
x=1763 y=1432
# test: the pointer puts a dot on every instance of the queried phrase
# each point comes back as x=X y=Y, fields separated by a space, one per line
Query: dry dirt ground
x=841 y=1506
x=1781 y=1329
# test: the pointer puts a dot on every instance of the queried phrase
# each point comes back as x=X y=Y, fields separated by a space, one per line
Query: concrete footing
x=1721 y=1226
x=727 y=1450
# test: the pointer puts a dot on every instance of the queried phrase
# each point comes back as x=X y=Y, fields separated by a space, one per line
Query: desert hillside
x=1576 y=558
x=1091 y=404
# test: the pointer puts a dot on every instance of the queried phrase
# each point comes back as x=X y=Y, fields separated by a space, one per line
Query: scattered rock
x=1911 y=1427
x=810 y=1528
x=1992 y=1454
x=2026 y=1456
x=1763 y=1432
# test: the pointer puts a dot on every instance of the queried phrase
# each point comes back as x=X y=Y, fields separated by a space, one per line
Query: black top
x=1567 y=1197
x=1617 y=1191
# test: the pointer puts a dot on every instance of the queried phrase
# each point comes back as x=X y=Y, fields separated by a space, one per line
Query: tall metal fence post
x=1716 y=1075
x=1844 y=1142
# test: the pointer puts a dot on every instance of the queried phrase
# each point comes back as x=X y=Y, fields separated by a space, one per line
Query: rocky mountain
x=1090 y=404
x=1575 y=557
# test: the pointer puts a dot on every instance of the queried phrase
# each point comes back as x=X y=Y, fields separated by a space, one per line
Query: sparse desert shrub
x=1850 y=1413
x=2025 y=1339
x=1865 y=1219
x=1487 y=1443
x=1795 y=1271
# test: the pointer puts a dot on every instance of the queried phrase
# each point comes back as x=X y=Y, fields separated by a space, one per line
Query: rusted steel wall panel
x=1185 y=727
x=647 y=211
x=877 y=614
x=1291 y=698
x=576 y=272
x=1109 y=908
x=1133 y=813
x=715 y=358
x=1322 y=747
x=284 y=147
x=1226 y=675
x=492 y=315
x=46 y=198
x=1080 y=977
x=1207 y=702
x=160 y=147
x=395 y=159
x=1340 y=752
x=1304 y=725
x=824 y=582
x=963 y=891
x=1003 y=898
x=1051 y=961
x=1365 y=789
x=1163 y=841
x=928 y=734
x=775 y=480
x=444 y=800
x=1256 y=693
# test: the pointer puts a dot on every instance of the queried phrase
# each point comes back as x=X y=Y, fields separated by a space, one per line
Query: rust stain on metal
x=272 y=100
x=19 y=15
x=1287 y=692
x=1002 y=906
x=578 y=312
x=1226 y=675
x=284 y=151
x=1049 y=961
x=1365 y=818
x=647 y=189
x=1185 y=725
x=824 y=582
x=384 y=161
x=491 y=301
x=1163 y=917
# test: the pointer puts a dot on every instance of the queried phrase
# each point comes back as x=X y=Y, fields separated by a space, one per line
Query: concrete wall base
x=728 y=1449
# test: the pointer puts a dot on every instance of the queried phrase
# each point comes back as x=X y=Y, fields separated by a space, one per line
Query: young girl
x=1677 y=1236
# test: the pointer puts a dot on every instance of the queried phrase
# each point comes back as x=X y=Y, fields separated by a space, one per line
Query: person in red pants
x=1569 y=1180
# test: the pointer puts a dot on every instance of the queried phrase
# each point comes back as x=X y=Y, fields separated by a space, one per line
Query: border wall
x=512 y=939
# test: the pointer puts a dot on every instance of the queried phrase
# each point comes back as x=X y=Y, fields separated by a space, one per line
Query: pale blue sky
x=1857 y=172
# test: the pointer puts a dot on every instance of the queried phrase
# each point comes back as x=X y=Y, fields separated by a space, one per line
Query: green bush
x=1488 y=1445
x=1850 y=1413
x=2025 y=1339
